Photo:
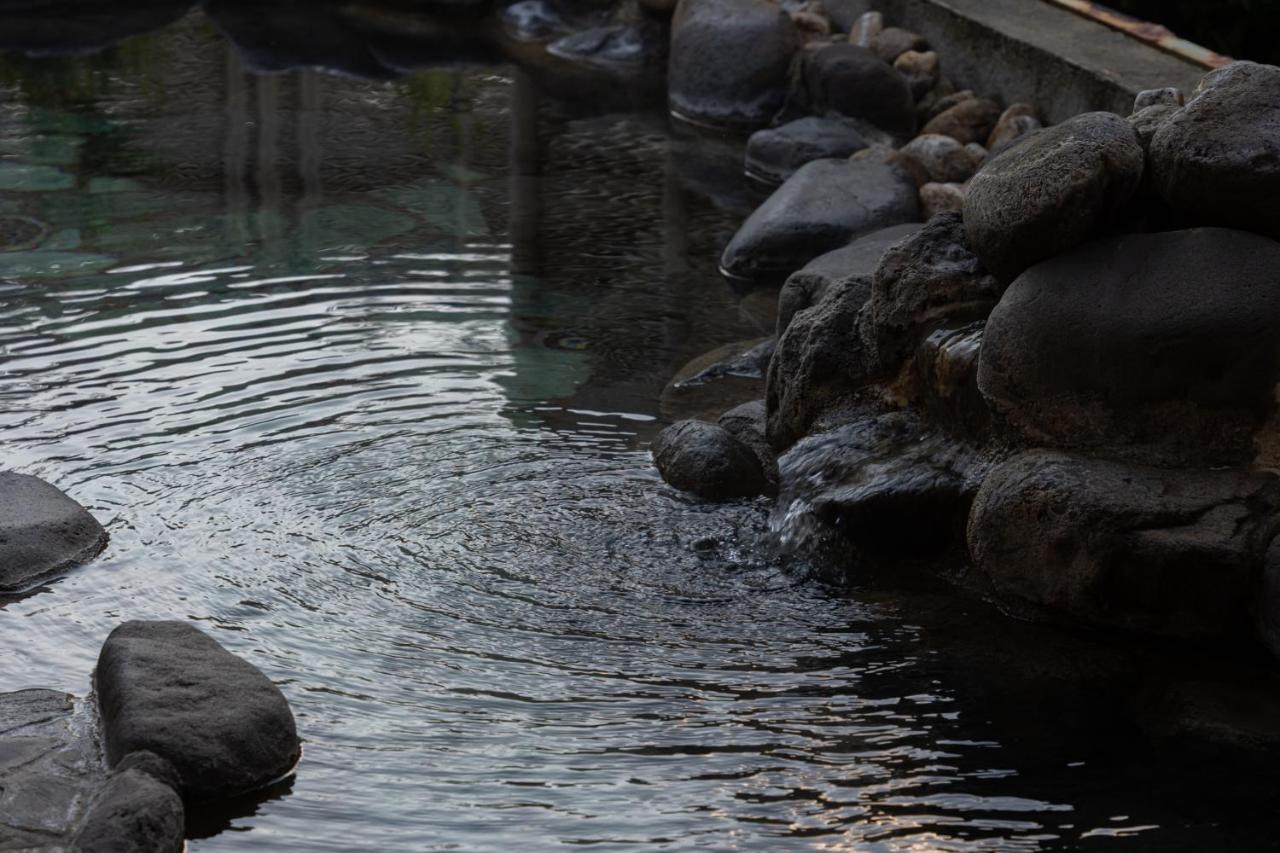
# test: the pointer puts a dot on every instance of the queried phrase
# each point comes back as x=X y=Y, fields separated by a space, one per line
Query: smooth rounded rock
x=936 y=198
x=1217 y=160
x=969 y=120
x=854 y=82
x=168 y=688
x=892 y=42
x=133 y=813
x=807 y=286
x=42 y=532
x=921 y=70
x=748 y=423
x=1015 y=122
x=1052 y=191
x=708 y=461
x=934 y=158
x=823 y=206
x=774 y=154
x=1167 y=552
x=730 y=61
x=1163 y=347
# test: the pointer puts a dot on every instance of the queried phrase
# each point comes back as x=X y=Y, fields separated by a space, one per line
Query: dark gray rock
x=946 y=363
x=1053 y=191
x=167 y=688
x=1168 y=552
x=892 y=42
x=1217 y=161
x=853 y=81
x=133 y=813
x=725 y=377
x=749 y=424
x=924 y=281
x=42 y=532
x=882 y=486
x=730 y=61
x=1158 y=347
x=773 y=155
x=807 y=286
x=967 y=120
x=934 y=158
x=821 y=207
x=708 y=461
x=922 y=71
x=819 y=363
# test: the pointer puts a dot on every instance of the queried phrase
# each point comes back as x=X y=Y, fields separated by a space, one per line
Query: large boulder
x=1052 y=191
x=819 y=362
x=806 y=287
x=167 y=688
x=922 y=282
x=42 y=532
x=1168 y=552
x=1163 y=347
x=730 y=61
x=821 y=207
x=1217 y=160
x=708 y=461
x=774 y=154
x=853 y=81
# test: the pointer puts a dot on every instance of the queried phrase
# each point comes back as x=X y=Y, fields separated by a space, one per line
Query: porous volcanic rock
x=730 y=61
x=168 y=688
x=42 y=532
x=708 y=461
x=821 y=207
x=1052 y=191
x=1169 y=552
x=1217 y=160
x=1158 y=347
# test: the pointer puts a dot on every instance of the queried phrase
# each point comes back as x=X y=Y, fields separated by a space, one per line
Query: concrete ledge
x=1033 y=52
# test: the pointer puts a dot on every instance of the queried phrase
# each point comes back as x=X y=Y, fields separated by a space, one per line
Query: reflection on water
x=361 y=374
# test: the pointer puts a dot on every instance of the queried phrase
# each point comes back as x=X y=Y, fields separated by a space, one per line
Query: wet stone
x=708 y=461
x=42 y=532
x=774 y=154
x=856 y=83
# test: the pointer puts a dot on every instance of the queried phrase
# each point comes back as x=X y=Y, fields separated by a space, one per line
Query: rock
x=876 y=153
x=807 y=286
x=1159 y=347
x=706 y=460
x=811 y=22
x=730 y=61
x=1014 y=123
x=1054 y=191
x=819 y=362
x=773 y=155
x=1217 y=160
x=133 y=813
x=42 y=532
x=614 y=47
x=933 y=158
x=978 y=152
x=852 y=81
x=884 y=487
x=823 y=206
x=1169 y=552
x=970 y=120
x=941 y=99
x=864 y=32
x=947 y=364
x=1147 y=121
x=941 y=198
x=892 y=42
x=921 y=70
x=748 y=423
x=718 y=380
x=167 y=688
x=925 y=280
x=1158 y=97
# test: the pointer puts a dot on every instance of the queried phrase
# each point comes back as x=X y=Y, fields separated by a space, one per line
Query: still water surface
x=361 y=375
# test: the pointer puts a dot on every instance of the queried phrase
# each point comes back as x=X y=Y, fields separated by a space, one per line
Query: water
x=360 y=375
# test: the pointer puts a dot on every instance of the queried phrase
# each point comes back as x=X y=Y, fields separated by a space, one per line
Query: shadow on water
x=361 y=372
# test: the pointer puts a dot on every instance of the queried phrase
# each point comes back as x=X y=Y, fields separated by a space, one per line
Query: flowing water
x=360 y=376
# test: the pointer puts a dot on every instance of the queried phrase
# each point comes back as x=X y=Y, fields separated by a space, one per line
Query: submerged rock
x=807 y=286
x=1053 y=191
x=773 y=155
x=819 y=362
x=1169 y=552
x=923 y=281
x=42 y=532
x=821 y=207
x=707 y=460
x=167 y=688
x=730 y=61
x=1217 y=160
x=854 y=82
x=1164 y=347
